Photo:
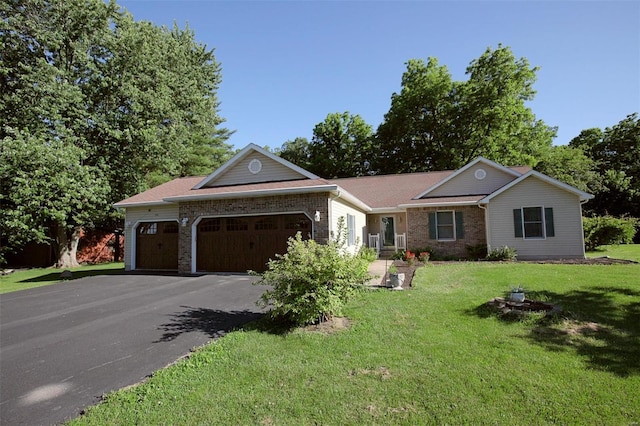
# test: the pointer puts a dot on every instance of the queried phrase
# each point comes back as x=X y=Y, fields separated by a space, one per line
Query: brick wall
x=307 y=203
x=418 y=230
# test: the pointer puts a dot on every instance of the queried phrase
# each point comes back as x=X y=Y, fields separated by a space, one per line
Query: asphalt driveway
x=65 y=345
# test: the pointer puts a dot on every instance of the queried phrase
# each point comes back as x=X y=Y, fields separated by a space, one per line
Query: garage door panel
x=241 y=243
x=157 y=246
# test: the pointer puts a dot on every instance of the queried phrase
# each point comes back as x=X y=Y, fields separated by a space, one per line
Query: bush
x=311 y=282
x=368 y=254
x=502 y=253
x=478 y=251
x=604 y=230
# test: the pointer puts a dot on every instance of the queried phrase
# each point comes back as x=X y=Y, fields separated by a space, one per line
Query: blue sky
x=286 y=65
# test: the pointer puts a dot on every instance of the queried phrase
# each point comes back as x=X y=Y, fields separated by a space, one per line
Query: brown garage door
x=237 y=244
x=157 y=245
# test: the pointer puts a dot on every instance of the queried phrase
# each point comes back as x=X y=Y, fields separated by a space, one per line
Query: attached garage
x=238 y=244
x=157 y=245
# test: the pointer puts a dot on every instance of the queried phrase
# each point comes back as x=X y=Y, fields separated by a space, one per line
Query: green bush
x=368 y=254
x=502 y=253
x=604 y=230
x=311 y=282
x=477 y=251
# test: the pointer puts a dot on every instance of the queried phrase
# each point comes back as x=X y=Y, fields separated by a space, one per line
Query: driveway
x=65 y=345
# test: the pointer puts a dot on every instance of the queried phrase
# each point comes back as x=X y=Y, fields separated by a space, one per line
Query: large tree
x=341 y=146
x=616 y=153
x=121 y=104
x=436 y=123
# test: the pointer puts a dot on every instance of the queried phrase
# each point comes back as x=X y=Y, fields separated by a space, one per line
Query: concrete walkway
x=378 y=269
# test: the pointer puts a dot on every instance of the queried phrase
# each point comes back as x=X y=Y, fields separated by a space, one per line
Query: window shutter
x=459 y=226
x=548 y=221
x=432 y=226
x=517 y=222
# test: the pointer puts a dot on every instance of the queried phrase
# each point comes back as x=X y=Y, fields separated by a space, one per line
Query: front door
x=388 y=231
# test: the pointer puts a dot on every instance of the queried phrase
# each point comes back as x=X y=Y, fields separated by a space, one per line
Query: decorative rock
x=66 y=275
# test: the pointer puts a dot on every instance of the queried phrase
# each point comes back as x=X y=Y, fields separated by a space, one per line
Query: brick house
x=243 y=213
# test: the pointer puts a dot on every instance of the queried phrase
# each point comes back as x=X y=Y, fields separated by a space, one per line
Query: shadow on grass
x=215 y=323
x=75 y=275
x=597 y=324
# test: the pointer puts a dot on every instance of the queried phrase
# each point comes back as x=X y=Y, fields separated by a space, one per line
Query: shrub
x=502 y=253
x=603 y=230
x=311 y=282
x=368 y=254
x=478 y=251
x=398 y=255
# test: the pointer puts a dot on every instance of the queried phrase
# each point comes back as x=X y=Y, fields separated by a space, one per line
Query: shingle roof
x=388 y=191
x=377 y=192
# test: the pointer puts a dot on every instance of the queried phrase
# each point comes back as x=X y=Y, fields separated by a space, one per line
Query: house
x=243 y=213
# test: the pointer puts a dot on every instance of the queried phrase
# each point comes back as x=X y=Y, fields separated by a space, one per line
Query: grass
x=622 y=251
x=429 y=355
x=37 y=277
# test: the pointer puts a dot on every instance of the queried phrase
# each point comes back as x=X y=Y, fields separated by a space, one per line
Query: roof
x=370 y=193
x=389 y=191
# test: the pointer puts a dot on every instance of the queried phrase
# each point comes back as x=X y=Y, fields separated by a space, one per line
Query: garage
x=238 y=244
x=157 y=245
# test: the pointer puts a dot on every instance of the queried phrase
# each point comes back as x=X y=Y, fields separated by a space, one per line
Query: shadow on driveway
x=215 y=323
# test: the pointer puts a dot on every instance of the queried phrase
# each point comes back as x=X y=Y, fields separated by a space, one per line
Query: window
x=148 y=228
x=533 y=222
x=237 y=225
x=170 y=228
x=446 y=225
x=351 y=229
x=209 y=225
x=266 y=224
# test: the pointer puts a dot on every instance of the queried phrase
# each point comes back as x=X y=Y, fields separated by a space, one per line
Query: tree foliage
x=341 y=146
x=616 y=154
x=571 y=166
x=116 y=103
x=436 y=123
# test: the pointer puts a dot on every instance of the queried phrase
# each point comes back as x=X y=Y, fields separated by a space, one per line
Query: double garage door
x=237 y=244
x=223 y=244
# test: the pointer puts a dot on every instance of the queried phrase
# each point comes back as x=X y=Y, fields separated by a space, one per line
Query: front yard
x=429 y=355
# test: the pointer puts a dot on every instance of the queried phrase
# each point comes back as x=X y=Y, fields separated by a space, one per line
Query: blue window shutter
x=517 y=222
x=548 y=222
x=459 y=226
x=432 y=226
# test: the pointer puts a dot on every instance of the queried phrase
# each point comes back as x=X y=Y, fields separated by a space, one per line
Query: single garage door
x=157 y=245
x=237 y=244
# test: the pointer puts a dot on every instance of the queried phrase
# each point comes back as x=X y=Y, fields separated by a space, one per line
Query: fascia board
x=242 y=154
x=350 y=198
x=468 y=166
x=141 y=204
x=253 y=194
x=446 y=204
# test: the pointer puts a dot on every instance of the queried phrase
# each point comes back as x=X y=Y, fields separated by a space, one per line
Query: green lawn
x=622 y=251
x=37 y=277
x=429 y=355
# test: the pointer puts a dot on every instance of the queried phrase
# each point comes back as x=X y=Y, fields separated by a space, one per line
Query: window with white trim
x=446 y=225
x=351 y=229
x=533 y=222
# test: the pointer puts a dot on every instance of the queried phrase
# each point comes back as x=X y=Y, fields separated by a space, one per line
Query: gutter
x=252 y=194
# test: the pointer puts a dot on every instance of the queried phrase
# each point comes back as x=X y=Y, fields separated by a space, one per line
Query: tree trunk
x=67 y=246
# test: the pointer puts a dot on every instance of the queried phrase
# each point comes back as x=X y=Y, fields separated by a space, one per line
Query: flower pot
x=396 y=280
x=517 y=297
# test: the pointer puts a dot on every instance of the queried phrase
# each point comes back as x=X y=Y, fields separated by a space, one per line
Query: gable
x=254 y=165
x=480 y=177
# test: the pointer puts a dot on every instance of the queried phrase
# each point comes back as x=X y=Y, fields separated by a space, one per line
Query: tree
x=616 y=153
x=125 y=103
x=297 y=151
x=571 y=166
x=341 y=146
x=436 y=123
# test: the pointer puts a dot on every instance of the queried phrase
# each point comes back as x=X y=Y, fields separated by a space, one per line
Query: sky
x=287 y=64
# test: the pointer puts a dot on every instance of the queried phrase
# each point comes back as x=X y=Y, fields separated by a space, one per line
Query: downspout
x=584 y=254
x=330 y=213
x=486 y=226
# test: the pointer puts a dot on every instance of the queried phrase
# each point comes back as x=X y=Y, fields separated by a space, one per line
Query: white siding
x=271 y=171
x=135 y=215
x=337 y=209
x=466 y=183
x=568 y=241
